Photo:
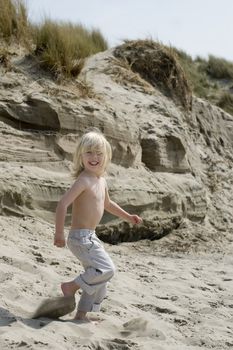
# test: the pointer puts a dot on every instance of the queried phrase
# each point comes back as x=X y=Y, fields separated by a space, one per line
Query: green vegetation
x=14 y=21
x=226 y=102
x=218 y=68
x=196 y=77
x=211 y=79
x=60 y=47
x=177 y=74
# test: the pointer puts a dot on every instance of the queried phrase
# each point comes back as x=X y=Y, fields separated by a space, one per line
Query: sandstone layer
x=169 y=164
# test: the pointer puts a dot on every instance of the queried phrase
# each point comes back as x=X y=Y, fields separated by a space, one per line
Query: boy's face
x=93 y=161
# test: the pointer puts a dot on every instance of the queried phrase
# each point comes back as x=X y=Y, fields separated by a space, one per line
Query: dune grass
x=63 y=46
x=196 y=76
x=218 y=68
x=226 y=102
x=14 y=24
x=60 y=47
x=177 y=74
x=211 y=79
x=159 y=66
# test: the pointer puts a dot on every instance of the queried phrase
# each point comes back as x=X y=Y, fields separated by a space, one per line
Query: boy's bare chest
x=95 y=192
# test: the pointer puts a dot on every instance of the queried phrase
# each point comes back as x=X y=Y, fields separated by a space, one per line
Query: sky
x=198 y=27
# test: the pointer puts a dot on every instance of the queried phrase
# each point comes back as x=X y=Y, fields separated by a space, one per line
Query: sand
x=171 y=166
x=159 y=299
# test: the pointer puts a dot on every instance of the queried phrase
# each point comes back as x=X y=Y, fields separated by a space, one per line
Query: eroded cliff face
x=169 y=165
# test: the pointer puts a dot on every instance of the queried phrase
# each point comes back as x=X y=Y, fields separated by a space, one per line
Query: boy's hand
x=135 y=219
x=59 y=241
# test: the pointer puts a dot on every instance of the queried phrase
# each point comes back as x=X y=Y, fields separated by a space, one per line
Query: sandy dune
x=171 y=166
x=159 y=299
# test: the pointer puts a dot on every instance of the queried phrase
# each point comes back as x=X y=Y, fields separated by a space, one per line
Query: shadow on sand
x=49 y=310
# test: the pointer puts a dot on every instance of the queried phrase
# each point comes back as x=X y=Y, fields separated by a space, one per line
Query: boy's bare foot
x=82 y=320
x=69 y=288
x=82 y=316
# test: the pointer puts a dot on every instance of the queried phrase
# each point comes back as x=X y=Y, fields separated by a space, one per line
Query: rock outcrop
x=169 y=164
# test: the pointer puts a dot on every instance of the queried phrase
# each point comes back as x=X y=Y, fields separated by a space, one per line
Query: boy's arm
x=116 y=210
x=68 y=198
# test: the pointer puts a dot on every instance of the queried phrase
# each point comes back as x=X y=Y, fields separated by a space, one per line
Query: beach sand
x=161 y=298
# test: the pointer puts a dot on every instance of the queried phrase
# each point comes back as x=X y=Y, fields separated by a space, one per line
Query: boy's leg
x=91 y=303
x=99 y=297
x=99 y=268
x=69 y=288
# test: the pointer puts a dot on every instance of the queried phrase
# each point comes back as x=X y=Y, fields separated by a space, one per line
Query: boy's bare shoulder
x=85 y=179
x=81 y=180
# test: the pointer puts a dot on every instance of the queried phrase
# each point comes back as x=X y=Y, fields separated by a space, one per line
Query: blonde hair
x=91 y=141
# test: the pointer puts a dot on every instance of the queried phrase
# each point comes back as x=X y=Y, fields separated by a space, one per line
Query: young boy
x=89 y=198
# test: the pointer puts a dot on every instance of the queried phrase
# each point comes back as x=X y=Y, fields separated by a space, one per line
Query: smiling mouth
x=93 y=163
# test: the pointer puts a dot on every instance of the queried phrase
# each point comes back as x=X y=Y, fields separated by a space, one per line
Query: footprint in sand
x=136 y=324
x=114 y=344
x=140 y=327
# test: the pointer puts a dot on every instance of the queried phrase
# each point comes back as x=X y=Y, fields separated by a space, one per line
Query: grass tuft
x=122 y=74
x=159 y=66
x=226 y=102
x=196 y=76
x=59 y=46
x=14 y=24
x=218 y=68
x=210 y=79
x=62 y=47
